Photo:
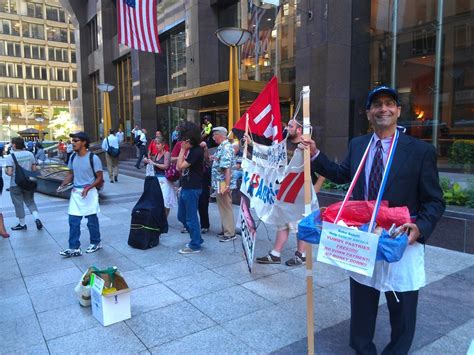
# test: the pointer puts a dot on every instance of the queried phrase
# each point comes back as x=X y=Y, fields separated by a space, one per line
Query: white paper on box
x=348 y=248
x=111 y=308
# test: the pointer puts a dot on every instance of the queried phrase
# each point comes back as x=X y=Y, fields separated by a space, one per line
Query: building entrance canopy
x=215 y=97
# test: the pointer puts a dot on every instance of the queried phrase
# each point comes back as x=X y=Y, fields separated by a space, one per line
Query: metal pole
x=230 y=111
x=236 y=86
x=393 y=71
x=437 y=79
x=257 y=45
x=307 y=209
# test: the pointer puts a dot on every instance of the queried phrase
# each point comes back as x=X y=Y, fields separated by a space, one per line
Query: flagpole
x=307 y=209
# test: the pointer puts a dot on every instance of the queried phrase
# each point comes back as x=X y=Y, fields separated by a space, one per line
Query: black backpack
x=24 y=179
x=137 y=141
x=91 y=161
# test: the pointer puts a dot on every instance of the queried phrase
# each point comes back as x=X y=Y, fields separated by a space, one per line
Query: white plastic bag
x=83 y=292
x=150 y=170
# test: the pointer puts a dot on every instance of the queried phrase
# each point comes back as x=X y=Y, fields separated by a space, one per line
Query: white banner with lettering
x=276 y=194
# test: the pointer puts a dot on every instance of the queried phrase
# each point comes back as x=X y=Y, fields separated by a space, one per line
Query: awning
x=210 y=97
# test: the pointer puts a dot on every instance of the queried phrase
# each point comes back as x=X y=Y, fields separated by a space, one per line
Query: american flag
x=137 y=25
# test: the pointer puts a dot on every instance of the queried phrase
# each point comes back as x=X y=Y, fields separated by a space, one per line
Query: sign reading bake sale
x=348 y=248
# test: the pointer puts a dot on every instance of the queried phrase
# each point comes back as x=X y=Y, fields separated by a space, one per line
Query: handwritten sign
x=348 y=248
x=248 y=232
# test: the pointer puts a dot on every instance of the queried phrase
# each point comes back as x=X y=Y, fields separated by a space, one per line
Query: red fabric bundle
x=357 y=213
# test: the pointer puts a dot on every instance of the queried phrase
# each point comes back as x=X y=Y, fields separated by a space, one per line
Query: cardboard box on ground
x=110 y=306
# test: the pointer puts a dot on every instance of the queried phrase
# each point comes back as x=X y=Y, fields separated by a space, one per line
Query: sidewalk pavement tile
x=31 y=250
x=166 y=324
x=52 y=279
x=41 y=263
x=198 y=284
x=219 y=258
x=67 y=320
x=329 y=309
x=268 y=329
x=8 y=269
x=230 y=303
x=175 y=268
x=277 y=287
x=441 y=261
x=152 y=297
x=87 y=260
x=323 y=274
x=239 y=272
x=11 y=288
x=18 y=335
x=55 y=297
x=215 y=340
x=151 y=257
x=15 y=307
x=114 y=339
x=138 y=278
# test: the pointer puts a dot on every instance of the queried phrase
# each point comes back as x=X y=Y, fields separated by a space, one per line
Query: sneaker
x=227 y=238
x=184 y=230
x=188 y=250
x=115 y=179
x=220 y=234
x=269 y=259
x=93 y=248
x=298 y=259
x=70 y=252
x=204 y=230
x=39 y=225
x=19 y=227
x=111 y=181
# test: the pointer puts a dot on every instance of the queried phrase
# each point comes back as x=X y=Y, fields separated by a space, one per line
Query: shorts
x=291 y=226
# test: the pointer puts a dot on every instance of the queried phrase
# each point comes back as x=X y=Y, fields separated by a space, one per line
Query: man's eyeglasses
x=388 y=103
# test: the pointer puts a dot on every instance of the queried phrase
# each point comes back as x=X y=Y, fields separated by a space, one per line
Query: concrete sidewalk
x=205 y=303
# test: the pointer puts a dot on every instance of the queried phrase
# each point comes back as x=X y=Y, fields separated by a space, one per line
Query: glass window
x=64 y=55
x=8 y=6
x=56 y=34
x=17 y=50
x=21 y=94
x=51 y=55
x=29 y=92
x=74 y=94
x=27 y=50
x=3 y=69
x=34 y=10
x=10 y=49
x=2 y=48
x=33 y=30
x=73 y=57
x=28 y=72
x=66 y=74
x=5 y=27
x=15 y=28
x=34 y=52
x=3 y=90
x=62 y=16
x=93 y=39
x=67 y=95
x=53 y=94
x=42 y=53
x=36 y=72
x=19 y=71
x=72 y=39
x=43 y=73
x=74 y=76
x=10 y=71
x=37 y=92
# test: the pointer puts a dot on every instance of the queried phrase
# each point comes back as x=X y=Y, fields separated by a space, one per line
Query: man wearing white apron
x=86 y=175
x=412 y=181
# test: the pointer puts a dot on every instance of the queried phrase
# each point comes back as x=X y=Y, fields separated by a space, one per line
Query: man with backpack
x=87 y=177
x=140 y=143
x=19 y=159
x=112 y=151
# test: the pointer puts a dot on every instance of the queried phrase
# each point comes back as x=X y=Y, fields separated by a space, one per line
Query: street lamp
x=233 y=38
x=106 y=120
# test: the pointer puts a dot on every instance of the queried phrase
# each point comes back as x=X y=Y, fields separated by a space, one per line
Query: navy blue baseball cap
x=382 y=90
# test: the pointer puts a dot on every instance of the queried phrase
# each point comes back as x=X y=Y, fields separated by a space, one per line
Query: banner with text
x=272 y=156
x=276 y=194
x=348 y=248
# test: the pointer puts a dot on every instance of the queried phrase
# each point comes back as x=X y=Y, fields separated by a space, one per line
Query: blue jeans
x=188 y=215
x=75 y=230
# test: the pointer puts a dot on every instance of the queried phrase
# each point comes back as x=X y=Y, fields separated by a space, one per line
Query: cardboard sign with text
x=348 y=248
x=248 y=232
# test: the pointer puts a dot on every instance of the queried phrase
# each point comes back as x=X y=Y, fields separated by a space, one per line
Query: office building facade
x=341 y=49
x=38 y=76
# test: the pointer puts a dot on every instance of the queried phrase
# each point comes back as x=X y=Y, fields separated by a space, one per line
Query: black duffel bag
x=148 y=217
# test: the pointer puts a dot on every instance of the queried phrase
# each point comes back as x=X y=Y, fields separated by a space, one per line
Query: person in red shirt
x=152 y=149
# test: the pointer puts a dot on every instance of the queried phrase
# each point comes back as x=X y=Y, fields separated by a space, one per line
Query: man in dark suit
x=413 y=182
